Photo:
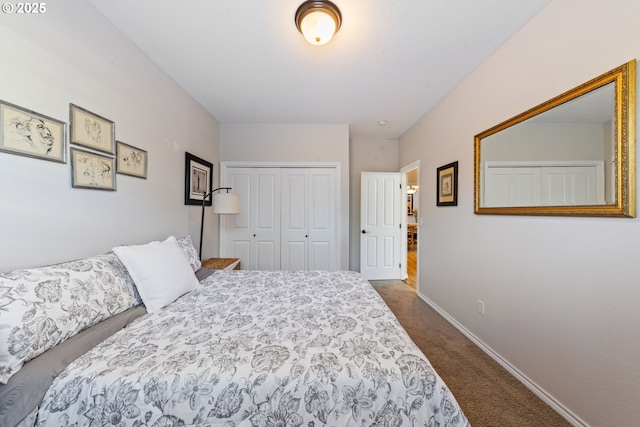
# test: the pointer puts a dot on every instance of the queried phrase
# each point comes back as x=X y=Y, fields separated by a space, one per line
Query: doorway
x=412 y=194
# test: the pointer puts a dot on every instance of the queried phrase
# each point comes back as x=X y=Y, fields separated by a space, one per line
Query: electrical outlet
x=481 y=307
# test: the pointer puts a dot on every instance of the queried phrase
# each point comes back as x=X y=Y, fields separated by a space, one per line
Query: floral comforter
x=257 y=348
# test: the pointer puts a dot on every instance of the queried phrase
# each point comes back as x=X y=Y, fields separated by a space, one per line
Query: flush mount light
x=318 y=21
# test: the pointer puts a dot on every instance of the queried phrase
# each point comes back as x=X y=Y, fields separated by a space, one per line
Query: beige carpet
x=487 y=393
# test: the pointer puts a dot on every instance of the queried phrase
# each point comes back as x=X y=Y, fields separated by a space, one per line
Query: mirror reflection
x=568 y=156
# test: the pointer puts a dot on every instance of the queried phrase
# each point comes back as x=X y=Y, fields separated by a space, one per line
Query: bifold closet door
x=308 y=224
x=254 y=234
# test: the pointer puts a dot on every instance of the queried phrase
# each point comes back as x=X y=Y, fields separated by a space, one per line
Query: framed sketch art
x=92 y=170
x=28 y=133
x=91 y=130
x=130 y=160
x=447 y=179
x=198 y=180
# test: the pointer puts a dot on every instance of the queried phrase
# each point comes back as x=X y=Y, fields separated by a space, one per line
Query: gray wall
x=561 y=295
x=72 y=54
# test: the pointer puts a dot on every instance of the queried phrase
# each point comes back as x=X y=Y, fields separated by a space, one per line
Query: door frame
x=403 y=171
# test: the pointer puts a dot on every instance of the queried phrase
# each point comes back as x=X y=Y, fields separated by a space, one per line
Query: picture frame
x=91 y=130
x=447 y=185
x=198 y=180
x=92 y=170
x=27 y=133
x=131 y=161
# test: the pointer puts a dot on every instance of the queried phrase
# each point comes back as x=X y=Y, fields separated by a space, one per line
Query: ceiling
x=392 y=60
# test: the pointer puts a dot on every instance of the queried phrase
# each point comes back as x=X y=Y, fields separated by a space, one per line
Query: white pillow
x=160 y=271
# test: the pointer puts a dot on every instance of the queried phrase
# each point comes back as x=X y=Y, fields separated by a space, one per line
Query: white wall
x=562 y=295
x=282 y=143
x=367 y=155
x=71 y=54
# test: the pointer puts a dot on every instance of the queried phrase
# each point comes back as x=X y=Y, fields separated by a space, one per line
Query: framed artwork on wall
x=91 y=130
x=31 y=134
x=447 y=181
x=198 y=180
x=92 y=170
x=130 y=160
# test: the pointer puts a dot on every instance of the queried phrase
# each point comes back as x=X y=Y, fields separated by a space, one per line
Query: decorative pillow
x=190 y=252
x=42 y=307
x=160 y=271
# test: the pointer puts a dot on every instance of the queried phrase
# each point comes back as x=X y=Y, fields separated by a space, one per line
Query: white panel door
x=571 y=185
x=295 y=225
x=526 y=187
x=512 y=186
x=254 y=234
x=308 y=226
x=498 y=188
x=267 y=219
x=322 y=219
x=237 y=230
x=381 y=236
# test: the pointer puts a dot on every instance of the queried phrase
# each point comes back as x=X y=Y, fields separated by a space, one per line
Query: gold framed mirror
x=573 y=155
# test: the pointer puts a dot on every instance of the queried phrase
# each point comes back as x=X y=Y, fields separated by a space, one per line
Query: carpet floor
x=487 y=393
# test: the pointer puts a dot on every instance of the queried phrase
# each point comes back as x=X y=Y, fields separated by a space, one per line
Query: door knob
x=364 y=231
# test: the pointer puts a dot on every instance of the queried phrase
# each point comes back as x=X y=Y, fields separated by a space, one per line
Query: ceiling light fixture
x=318 y=21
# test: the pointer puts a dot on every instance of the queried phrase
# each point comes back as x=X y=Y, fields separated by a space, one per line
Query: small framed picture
x=198 y=180
x=28 y=133
x=130 y=160
x=91 y=130
x=447 y=179
x=92 y=170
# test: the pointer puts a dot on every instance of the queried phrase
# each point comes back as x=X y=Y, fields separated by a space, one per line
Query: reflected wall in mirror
x=572 y=155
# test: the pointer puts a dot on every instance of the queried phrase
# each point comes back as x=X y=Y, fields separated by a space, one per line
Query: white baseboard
x=537 y=390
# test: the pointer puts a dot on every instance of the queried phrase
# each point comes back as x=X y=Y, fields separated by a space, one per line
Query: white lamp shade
x=226 y=203
x=318 y=27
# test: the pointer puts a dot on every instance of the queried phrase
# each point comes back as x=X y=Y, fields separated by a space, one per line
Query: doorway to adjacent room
x=412 y=179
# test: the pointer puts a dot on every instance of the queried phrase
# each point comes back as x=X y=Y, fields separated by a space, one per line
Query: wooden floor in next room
x=412 y=254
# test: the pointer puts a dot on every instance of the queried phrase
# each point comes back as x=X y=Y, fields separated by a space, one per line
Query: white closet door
x=295 y=224
x=512 y=186
x=547 y=183
x=254 y=234
x=308 y=219
x=322 y=220
x=526 y=188
x=575 y=185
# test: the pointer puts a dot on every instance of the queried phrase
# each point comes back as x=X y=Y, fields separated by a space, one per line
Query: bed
x=249 y=348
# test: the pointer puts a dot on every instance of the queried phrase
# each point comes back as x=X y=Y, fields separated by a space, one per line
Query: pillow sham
x=42 y=307
x=160 y=271
x=186 y=244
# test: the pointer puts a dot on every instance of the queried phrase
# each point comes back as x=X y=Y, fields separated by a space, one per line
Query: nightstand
x=222 y=263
